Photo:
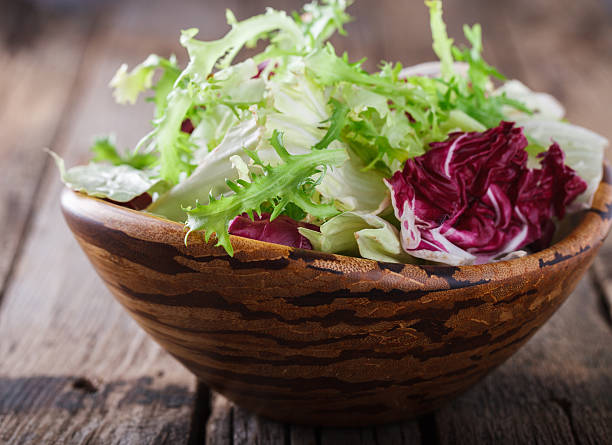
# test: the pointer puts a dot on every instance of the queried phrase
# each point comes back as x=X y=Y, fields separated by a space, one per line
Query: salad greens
x=301 y=131
x=120 y=183
x=359 y=233
x=290 y=182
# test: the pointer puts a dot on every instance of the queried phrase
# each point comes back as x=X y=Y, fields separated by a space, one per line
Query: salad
x=444 y=162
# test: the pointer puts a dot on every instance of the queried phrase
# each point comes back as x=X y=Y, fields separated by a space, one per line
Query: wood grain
x=556 y=390
x=228 y=424
x=52 y=60
x=566 y=50
x=219 y=428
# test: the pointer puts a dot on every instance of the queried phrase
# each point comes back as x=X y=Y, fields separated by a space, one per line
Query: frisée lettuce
x=302 y=146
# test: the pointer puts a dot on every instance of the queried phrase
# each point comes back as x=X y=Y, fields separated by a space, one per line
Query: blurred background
x=57 y=56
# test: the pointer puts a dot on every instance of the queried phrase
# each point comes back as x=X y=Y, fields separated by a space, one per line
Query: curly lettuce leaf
x=471 y=93
x=320 y=22
x=302 y=115
x=337 y=121
x=442 y=44
x=329 y=69
x=298 y=108
x=479 y=71
x=204 y=55
x=128 y=85
x=195 y=87
x=280 y=185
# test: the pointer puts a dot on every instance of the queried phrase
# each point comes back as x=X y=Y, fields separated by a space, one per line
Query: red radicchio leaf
x=471 y=198
x=187 y=126
x=282 y=230
x=140 y=202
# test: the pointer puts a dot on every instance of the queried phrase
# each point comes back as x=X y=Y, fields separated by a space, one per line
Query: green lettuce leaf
x=214 y=123
x=204 y=55
x=236 y=85
x=175 y=159
x=128 y=85
x=460 y=121
x=359 y=233
x=442 y=44
x=120 y=183
x=353 y=188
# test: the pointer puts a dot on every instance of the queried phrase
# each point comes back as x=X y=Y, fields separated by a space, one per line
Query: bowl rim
x=587 y=234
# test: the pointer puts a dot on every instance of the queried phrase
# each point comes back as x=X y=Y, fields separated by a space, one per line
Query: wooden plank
x=407 y=433
x=75 y=368
x=251 y=429
x=347 y=436
x=219 y=430
x=30 y=112
x=566 y=50
x=555 y=390
x=303 y=435
x=230 y=424
x=602 y=276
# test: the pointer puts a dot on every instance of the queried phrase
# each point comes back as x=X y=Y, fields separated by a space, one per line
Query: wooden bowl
x=308 y=337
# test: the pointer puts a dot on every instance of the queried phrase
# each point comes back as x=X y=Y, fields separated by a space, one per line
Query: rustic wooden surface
x=75 y=369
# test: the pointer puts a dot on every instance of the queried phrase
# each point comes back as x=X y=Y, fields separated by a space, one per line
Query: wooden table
x=74 y=368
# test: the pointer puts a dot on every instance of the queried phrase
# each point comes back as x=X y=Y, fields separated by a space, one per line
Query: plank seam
x=375 y=437
x=200 y=415
x=231 y=425
x=429 y=429
x=318 y=437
